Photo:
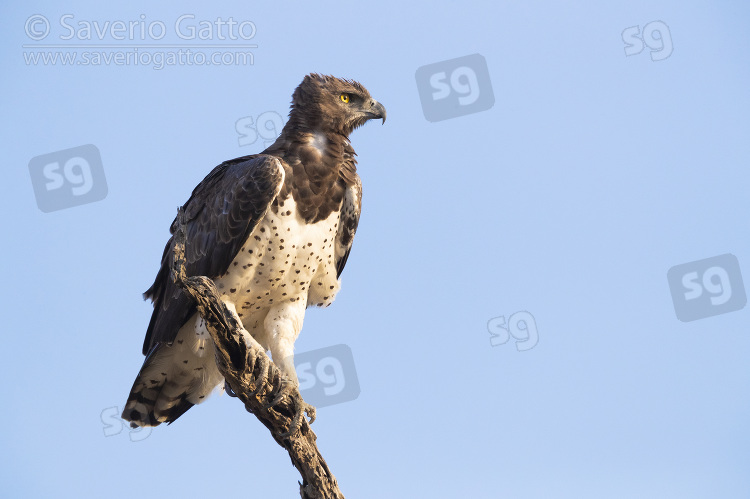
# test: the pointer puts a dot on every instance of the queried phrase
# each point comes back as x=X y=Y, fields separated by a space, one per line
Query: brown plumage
x=301 y=192
x=318 y=181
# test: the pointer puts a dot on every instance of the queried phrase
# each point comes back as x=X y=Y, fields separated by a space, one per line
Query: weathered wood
x=256 y=381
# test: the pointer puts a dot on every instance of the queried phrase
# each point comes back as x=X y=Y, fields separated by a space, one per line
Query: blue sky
x=591 y=176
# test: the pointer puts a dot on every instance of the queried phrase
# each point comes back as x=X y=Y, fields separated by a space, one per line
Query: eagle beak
x=376 y=111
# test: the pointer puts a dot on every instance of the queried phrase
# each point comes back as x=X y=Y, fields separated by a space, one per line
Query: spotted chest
x=284 y=259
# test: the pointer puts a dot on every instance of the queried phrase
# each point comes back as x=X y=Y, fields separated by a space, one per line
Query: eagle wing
x=221 y=213
x=348 y=221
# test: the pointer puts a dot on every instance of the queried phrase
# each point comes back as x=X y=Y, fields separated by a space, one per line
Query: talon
x=294 y=427
x=303 y=408
x=310 y=411
x=229 y=390
x=285 y=388
x=262 y=375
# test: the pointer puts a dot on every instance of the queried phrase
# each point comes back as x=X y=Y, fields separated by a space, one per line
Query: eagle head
x=333 y=104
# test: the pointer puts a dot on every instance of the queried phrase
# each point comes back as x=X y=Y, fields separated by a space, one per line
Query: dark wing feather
x=350 y=210
x=220 y=214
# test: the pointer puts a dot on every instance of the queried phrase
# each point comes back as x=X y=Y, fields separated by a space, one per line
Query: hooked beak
x=376 y=111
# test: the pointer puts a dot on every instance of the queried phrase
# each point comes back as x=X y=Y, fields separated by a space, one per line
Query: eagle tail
x=170 y=382
x=156 y=397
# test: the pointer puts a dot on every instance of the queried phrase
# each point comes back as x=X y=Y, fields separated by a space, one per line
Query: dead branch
x=256 y=381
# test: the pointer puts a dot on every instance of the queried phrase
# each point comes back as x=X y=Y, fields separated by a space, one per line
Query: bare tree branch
x=255 y=380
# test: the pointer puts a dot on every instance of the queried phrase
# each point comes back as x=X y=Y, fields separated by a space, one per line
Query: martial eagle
x=273 y=230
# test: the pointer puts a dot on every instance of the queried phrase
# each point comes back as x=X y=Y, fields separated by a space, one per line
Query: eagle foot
x=302 y=408
x=287 y=388
x=262 y=377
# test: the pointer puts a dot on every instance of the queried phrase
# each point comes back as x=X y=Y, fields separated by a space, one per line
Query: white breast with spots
x=284 y=260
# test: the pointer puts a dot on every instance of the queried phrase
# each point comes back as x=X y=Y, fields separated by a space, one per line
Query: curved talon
x=310 y=411
x=295 y=425
x=285 y=388
x=229 y=390
x=303 y=408
x=262 y=375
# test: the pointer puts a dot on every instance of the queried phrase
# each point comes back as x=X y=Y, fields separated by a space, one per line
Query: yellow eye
x=344 y=98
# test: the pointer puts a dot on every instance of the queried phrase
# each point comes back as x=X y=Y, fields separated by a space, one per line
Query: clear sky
x=556 y=183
